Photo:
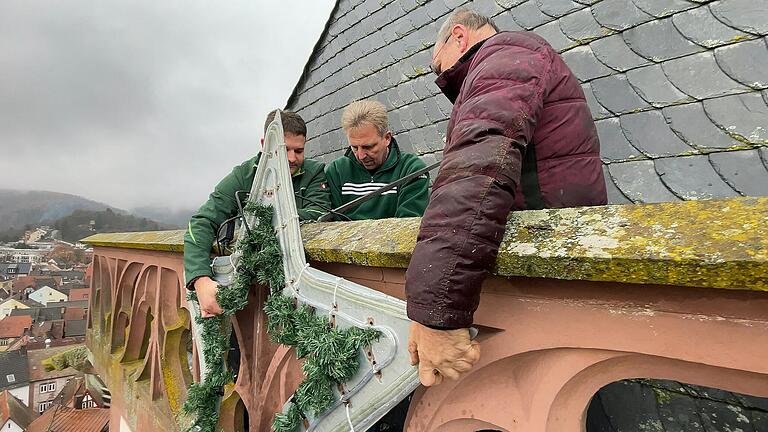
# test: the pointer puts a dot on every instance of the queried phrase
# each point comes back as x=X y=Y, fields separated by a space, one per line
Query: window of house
x=88 y=402
x=48 y=387
x=43 y=406
x=10 y=378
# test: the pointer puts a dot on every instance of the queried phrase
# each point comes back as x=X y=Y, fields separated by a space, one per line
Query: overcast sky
x=143 y=102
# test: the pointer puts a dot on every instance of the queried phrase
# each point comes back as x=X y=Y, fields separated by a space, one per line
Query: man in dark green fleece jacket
x=373 y=160
x=312 y=200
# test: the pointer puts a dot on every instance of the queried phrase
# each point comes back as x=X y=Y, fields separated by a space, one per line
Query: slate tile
x=745 y=62
x=528 y=15
x=395 y=124
x=614 y=146
x=554 y=35
x=699 y=75
x=428 y=158
x=742 y=116
x=746 y=15
x=701 y=27
x=584 y=64
x=406 y=117
x=506 y=4
x=653 y=86
x=598 y=111
x=764 y=156
x=421 y=61
x=659 y=40
x=505 y=21
x=406 y=93
x=691 y=123
x=418 y=115
x=581 y=26
x=404 y=141
x=678 y=413
x=615 y=94
x=420 y=88
x=717 y=416
x=419 y=17
x=436 y=9
x=648 y=132
x=488 y=8
x=614 y=52
x=442 y=131
x=446 y=107
x=615 y=196
x=558 y=8
x=692 y=177
x=453 y=4
x=663 y=8
x=408 y=5
x=432 y=110
x=393 y=98
x=619 y=14
x=372 y=6
x=638 y=181
x=420 y=141
x=434 y=140
x=587 y=2
x=743 y=171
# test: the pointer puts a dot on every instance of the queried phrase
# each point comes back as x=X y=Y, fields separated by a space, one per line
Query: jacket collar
x=451 y=80
x=392 y=158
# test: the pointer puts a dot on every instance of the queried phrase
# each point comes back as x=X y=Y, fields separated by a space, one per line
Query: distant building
x=12 y=328
x=14 y=255
x=14 y=270
x=8 y=306
x=14 y=374
x=45 y=385
x=15 y=416
x=47 y=296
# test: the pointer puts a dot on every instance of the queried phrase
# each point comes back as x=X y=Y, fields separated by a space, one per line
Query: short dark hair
x=292 y=123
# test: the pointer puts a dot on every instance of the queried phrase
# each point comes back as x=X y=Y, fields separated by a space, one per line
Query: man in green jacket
x=372 y=161
x=312 y=200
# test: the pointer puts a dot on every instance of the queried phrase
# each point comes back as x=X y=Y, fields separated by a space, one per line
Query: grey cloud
x=143 y=103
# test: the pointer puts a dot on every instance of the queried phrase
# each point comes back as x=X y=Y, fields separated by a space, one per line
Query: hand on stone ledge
x=441 y=353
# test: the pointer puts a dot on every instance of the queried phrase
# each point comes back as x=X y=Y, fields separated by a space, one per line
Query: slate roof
x=16 y=269
x=40 y=314
x=75 y=328
x=678 y=88
x=13 y=363
x=11 y=408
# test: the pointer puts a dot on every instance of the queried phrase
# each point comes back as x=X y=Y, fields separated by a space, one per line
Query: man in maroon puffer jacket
x=520 y=137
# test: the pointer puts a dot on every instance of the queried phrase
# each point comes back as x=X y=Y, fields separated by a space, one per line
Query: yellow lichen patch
x=171 y=241
x=375 y=243
x=716 y=244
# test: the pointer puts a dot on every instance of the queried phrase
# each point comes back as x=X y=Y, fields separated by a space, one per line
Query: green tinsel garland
x=331 y=354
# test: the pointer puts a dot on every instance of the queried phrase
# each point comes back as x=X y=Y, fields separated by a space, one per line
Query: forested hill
x=82 y=223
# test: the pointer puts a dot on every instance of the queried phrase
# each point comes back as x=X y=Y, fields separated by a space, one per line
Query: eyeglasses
x=434 y=67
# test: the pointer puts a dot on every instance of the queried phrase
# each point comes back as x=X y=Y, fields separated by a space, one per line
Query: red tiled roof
x=14 y=326
x=79 y=294
x=64 y=419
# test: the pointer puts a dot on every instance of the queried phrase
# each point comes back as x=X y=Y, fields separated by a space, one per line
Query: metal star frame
x=386 y=376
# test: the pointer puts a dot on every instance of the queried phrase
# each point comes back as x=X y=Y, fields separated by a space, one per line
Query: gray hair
x=365 y=111
x=466 y=17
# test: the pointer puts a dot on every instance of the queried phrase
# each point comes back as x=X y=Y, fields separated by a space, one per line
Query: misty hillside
x=177 y=218
x=83 y=223
x=20 y=208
